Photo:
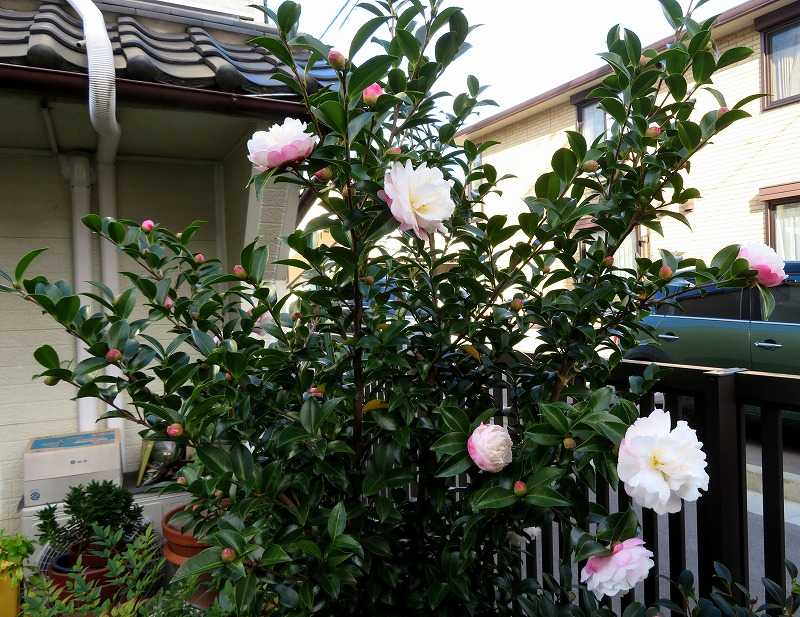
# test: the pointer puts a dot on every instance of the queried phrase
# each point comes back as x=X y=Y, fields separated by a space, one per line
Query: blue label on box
x=78 y=440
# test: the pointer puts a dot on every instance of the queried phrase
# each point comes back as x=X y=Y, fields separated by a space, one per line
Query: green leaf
x=555 y=414
x=492 y=498
x=275 y=555
x=703 y=66
x=47 y=356
x=358 y=124
x=454 y=466
x=564 y=163
x=455 y=419
x=288 y=16
x=689 y=134
x=311 y=415
x=337 y=520
x=205 y=344
x=23 y=263
x=733 y=55
x=673 y=12
x=615 y=108
x=215 y=459
x=364 y=32
x=332 y=114
x=93 y=222
x=242 y=464
x=545 y=497
x=276 y=47
x=677 y=86
x=767 y=302
x=451 y=443
x=203 y=562
x=371 y=71
x=729 y=117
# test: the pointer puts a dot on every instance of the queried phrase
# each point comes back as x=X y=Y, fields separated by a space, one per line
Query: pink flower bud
x=182 y=481
x=175 y=430
x=653 y=132
x=323 y=175
x=591 y=166
x=147 y=226
x=665 y=272
x=722 y=111
x=227 y=555
x=394 y=151
x=371 y=94
x=520 y=488
x=315 y=392
x=569 y=443
x=168 y=303
x=113 y=355
x=517 y=304
x=337 y=60
x=239 y=271
x=199 y=258
x=608 y=260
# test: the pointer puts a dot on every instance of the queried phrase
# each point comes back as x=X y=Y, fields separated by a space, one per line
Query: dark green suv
x=724 y=328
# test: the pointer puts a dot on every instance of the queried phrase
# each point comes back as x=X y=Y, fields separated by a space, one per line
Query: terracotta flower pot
x=60 y=570
x=179 y=548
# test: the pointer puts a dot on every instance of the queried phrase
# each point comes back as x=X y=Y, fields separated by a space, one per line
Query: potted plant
x=14 y=550
x=86 y=507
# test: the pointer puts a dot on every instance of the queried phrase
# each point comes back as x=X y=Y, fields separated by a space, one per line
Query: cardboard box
x=52 y=464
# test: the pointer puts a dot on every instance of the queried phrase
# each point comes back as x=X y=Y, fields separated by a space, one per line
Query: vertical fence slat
x=547 y=548
x=677 y=521
x=722 y=520
x=650 y=524
x=772 y=481
x=623 y=503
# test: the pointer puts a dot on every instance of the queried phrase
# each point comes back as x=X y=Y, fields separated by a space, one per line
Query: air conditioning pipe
x=103 y=116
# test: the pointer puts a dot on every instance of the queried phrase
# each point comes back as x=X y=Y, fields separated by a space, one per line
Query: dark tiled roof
x=188 y=55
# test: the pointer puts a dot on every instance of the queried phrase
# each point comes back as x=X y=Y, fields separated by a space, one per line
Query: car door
x=708 y=329
x=775 y=346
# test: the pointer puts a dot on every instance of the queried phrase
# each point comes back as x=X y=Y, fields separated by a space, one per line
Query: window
x=782 y=63
x=716 y=304
x=787 y=230
x=593 y=121
x=787 y=304
x=625 y=256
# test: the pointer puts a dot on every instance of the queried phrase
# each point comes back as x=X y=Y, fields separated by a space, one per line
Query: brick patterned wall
x=753 y=153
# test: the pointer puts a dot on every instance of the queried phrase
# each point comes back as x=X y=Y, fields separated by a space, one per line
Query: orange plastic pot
x=179 y=548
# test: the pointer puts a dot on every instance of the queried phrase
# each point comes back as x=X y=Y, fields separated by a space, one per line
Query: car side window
x=787 y=303
x=716 y=304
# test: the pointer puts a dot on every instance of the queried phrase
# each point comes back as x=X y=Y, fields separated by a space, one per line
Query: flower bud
x=147 y=226
x=665 y=272
x=315 y=392
x=175 y=430
x=228 y=376
x=368 y=280
x=722 y=111
x=113 y=355
x=517 y=304
x=608 y=260
x=51 y=380
x=181 y=480
x=371 y=94
x=199 y=258
x=653 y=132
x=168 y=303
x=225 y=503
x=394 y=151
x=296 y=316
x=227 y=554
x=218 y=494
x=591 y=166
x=323 y=175
x=239 y=271
x=520 y=488
x=569 y=443
x=643 y=60
x=337 y=60
x=179 y=235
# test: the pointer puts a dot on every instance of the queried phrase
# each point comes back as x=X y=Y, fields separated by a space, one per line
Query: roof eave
x=67 y=83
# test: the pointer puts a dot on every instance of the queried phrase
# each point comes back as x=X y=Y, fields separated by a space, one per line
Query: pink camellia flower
x=371 y=94
x=628 y=565
x=147 y=226
x=337 y=60
x=653 y=131
x=418 y=198
x=113 y=355
x=168 y=303
x=175 y=430
x=489 y=447
x=199 y=258
x=239 y=271
x=520 y=488
x=281 y=144
x=315 y=392
x=765 y=261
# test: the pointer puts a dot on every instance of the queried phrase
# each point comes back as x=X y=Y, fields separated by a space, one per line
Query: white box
x=52 y=464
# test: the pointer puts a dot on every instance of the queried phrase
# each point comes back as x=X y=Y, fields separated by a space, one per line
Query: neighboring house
x=749 y=177
x=189 y=92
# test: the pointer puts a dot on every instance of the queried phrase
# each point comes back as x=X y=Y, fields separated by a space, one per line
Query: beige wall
x=753 y=153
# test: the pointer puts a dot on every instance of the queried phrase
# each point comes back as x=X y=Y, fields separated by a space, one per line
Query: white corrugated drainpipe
x=103 y=115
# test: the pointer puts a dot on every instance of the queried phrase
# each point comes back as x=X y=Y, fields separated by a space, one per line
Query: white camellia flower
x=627 y=565
x=489 y=447
x=281 y=144
x=660 y=466
x=418 y=198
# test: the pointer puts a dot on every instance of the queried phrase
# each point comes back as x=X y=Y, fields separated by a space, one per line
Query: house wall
x=753 y=153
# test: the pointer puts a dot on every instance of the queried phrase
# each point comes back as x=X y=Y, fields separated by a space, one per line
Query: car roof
x=792 y=269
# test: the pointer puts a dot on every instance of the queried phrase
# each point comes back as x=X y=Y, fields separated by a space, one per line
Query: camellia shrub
x=352 y=454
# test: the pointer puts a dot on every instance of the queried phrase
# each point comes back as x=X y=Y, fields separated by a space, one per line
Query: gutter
x=54 y=82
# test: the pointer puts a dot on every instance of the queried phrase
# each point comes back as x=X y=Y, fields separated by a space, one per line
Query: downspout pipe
x=103 y=116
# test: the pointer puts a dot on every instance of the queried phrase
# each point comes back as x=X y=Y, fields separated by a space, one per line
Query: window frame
x=580 y=106
x=772 y=197
x=768 y=102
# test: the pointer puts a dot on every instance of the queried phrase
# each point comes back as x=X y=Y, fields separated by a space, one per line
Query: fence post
x=722 y=528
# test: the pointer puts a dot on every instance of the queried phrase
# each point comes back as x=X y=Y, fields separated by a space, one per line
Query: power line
x=338 y=14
